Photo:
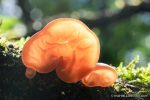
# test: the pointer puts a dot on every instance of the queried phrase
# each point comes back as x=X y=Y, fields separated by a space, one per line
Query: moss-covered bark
x=132 y=83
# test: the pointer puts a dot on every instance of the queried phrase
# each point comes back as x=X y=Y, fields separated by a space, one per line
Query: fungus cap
x=103 y=75
x=65 y=44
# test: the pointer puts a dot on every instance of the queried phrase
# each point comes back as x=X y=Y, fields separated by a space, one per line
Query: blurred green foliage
x=11 y=27
x=125 y=38
x=7 y=23
x=119 y=41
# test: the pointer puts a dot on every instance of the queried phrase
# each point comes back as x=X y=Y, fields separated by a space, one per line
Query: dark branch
x=26 y=8
x=125 y=13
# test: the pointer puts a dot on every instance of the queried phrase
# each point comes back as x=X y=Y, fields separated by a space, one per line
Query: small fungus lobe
x=103 y=75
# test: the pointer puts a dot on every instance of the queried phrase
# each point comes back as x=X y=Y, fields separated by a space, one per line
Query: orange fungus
x=66 y=45
x=103 y=75
x=30 y=73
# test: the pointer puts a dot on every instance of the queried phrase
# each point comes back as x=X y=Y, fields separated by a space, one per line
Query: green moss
x=10 y=51
x=12 y=47
x=133 y=79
